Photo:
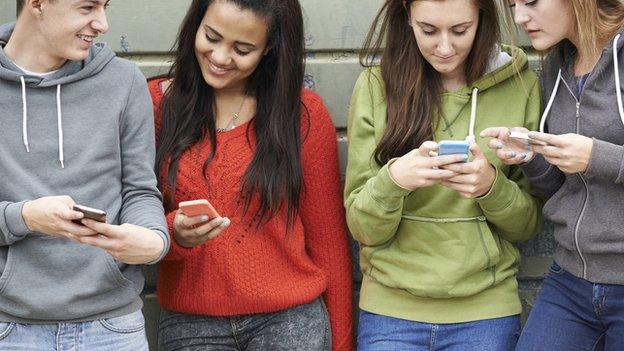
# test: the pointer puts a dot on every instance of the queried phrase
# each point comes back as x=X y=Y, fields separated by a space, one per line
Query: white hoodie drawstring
x=617 y=78
x=618 y=90
x=473 y=116
x=24 y=115
x=59 y=122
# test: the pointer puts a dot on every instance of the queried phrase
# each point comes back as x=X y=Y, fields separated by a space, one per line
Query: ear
x=34 y=7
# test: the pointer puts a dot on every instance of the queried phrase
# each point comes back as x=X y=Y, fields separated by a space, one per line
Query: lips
x=217 y=70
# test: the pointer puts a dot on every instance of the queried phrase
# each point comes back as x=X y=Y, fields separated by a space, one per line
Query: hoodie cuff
x=14 y=220
x=537 y=168
x=384 y=187
x=165 y=239
x=500 y=196
x=606 y=161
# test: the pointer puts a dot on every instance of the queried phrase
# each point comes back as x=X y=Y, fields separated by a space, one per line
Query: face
x=445 y=31
x=68 y=28
x=229 y=45
x=547 y=22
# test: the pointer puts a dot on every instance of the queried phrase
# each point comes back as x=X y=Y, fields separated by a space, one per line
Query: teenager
x=235 y=127
x=76 y=129
x=437 y=233
x=580 y=170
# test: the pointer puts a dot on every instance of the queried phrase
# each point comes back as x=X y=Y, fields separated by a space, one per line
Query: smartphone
x=197 y=208
x=91 y=213
x=453 y=147
x=526 y=138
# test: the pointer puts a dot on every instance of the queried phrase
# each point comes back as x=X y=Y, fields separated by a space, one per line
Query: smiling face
x=229 y=45
x=67 y=28
x=547 y=22
x=445 y=32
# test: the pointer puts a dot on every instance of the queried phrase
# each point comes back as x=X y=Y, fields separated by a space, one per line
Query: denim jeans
x=304 y=328
x=382 y=333
x=125 y=333
x=573 y=314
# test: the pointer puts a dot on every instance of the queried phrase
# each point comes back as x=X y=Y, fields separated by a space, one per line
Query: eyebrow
x=467 y=23
x=207 y=27
x=94 y=2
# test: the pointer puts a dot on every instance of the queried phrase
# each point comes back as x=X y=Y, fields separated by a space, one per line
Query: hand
x=568 y=152
x=53 y=215
x=127 y=243
x=474 y=178
x=194 y=231
x=417 y=169
x=509 y=151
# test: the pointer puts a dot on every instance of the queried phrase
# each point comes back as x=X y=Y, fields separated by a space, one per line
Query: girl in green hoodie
x=437 y=233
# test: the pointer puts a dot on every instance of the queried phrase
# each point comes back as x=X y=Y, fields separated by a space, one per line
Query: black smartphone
x=91 y=213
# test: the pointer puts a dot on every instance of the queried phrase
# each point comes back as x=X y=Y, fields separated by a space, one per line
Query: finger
x=191 y=222
x=216 y=232
x=548 y=151
x=215 y=223
x=495 y=132
x=101 y=228
x=463 y=167
x=459 y=187
x=77 y=230
x=476 y=151
x=427 y=147
x=447 y=159
x=437 y=174
x=433 y=154
x=551 y=139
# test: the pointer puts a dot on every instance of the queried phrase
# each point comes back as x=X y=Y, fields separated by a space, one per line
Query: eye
x=531 y=3
x=241 y=52
x=428 y=31
x=460 y=32
x=211 y=39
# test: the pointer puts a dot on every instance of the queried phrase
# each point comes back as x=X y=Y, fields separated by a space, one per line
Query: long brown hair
x=275 y=172
x=597 y=21
x=413 y=86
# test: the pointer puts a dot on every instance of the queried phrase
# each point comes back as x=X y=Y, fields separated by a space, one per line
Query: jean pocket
x=556 y=269
x=5 y=329
x=130 y=323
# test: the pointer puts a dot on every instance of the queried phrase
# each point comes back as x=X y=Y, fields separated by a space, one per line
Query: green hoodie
x=429 y=255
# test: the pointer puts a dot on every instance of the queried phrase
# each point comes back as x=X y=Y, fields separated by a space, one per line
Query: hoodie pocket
x=437 y=257
x=49 y=278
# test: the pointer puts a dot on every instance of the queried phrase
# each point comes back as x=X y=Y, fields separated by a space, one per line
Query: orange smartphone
x=197 y=208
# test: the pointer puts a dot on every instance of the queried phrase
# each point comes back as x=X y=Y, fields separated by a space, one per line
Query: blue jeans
x=382 y=333
x=572 y=314
x=125 y=333
x=305 y=328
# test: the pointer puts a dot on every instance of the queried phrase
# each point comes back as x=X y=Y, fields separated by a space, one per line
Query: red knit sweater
x=247 y=270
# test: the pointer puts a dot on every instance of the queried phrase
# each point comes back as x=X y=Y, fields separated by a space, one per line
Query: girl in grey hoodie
x=579 y=167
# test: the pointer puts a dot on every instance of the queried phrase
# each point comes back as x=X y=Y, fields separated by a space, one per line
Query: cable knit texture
x=249 y=270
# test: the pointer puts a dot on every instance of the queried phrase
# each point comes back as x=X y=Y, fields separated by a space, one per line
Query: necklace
x=231 y=124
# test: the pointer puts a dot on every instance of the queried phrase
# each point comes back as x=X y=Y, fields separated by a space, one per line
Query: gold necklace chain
x=235 y=116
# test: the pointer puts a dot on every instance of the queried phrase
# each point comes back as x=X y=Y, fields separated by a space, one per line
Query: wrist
x=26 y=214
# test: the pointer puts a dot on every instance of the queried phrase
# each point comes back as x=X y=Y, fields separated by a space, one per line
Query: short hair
x=20 y=6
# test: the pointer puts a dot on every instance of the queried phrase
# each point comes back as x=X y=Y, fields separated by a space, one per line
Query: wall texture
x=144 y=31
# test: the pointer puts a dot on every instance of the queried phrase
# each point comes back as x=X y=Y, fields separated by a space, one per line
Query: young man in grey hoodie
x=76 y=128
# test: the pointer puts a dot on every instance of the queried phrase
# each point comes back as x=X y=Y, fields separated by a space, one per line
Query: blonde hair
x=597 y=21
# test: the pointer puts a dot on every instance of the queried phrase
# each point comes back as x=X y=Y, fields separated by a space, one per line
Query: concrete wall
x=144 y=31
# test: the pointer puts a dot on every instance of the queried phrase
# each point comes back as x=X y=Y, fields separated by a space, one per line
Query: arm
x=509 y=205
x=322 y=216
x=373 y=201
x=12 y=225
x=141 y=200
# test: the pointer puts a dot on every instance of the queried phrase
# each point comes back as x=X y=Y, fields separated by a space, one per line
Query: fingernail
x=225 y=222
x=204 y=218
x=523 y=156
x=464 y=157
x=498 y=146
x=531 y=134
x=511 y=154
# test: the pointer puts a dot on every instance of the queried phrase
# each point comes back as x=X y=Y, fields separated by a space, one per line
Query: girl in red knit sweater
x=234 y=127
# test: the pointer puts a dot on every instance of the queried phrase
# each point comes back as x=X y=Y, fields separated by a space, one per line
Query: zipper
x=578 y=221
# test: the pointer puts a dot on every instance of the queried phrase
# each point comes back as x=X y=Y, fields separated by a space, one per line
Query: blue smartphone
x=453 y=147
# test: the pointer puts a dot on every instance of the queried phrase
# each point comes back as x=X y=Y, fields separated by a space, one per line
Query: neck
x=30 y=51
x=454 y=80
x=584 y=62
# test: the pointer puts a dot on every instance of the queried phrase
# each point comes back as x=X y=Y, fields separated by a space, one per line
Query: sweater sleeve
x=141 y=200
x=373 y=201
x=509 y=205
x=323 y=219
x=12 y=225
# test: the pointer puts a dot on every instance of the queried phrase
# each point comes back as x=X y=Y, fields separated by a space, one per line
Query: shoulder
x=315 y=118
x=157 y=88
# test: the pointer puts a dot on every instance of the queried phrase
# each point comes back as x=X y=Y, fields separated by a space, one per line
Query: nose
x=100 y=23
x=445 y=47
x=220 y=55
x=520 y=15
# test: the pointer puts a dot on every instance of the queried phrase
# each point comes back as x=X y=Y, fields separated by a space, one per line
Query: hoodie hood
x=72 y=71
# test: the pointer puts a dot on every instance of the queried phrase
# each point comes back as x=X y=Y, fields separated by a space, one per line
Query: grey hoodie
x=86 y=131
x=587 y=209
